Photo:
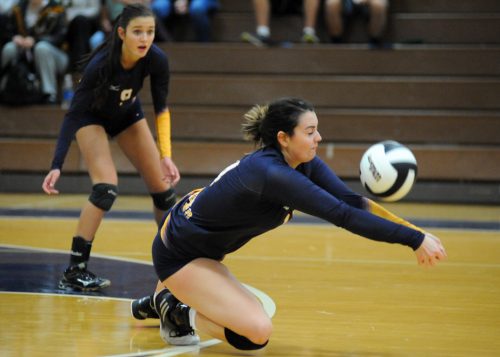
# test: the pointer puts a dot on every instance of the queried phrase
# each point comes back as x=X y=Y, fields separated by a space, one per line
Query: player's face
x=302 y=146
x=137 y=37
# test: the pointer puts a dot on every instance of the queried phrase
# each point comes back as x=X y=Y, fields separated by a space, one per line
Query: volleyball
x=388 y=170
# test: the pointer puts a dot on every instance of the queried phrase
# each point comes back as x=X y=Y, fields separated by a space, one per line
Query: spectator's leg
x=262 y=10
x=378 y=18
x=199 y=11
x=162 y=10
x=334 y=19
x=311 y=8
x=49 y=62
x=9 y=53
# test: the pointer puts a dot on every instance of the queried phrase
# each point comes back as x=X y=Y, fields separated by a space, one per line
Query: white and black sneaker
x=143 y=308
x=79 y=278
x=175 y=328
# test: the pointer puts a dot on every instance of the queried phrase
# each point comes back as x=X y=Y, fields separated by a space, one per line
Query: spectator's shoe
x=50 y=99
x=143 y=308
x=79 y=278
x=256 y=40
x=174 y=320
x=309 y=38
x=378 y=44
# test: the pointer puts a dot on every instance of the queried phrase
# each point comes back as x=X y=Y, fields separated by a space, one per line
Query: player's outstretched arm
x=50 y=180
x=431 y=251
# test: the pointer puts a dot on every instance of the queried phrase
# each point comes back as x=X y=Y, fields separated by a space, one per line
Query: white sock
x=263 y=31
x=309 y=31
x=192 y=318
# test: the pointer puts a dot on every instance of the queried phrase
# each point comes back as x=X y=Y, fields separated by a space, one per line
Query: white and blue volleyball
x=388 y=170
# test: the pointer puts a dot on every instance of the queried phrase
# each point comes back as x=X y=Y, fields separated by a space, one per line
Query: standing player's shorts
x=115 y=125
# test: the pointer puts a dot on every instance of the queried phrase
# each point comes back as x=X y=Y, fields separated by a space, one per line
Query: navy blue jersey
x=258 y=194
x=121 y=100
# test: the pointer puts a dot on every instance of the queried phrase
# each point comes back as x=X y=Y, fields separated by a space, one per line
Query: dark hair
x=263 y=122
x=112 y=48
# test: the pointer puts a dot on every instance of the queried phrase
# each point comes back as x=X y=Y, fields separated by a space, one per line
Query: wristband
x=163 y=134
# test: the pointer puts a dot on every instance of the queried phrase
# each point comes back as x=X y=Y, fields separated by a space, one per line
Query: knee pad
x=103 y=195
x=241 y=342
x=164 y=200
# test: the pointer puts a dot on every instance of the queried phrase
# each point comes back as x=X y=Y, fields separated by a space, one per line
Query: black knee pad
x=241 y=342
x=164 y=200
x=103 y=195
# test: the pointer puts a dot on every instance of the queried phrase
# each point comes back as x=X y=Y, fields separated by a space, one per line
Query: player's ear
x=282 y=138
x=121 y=33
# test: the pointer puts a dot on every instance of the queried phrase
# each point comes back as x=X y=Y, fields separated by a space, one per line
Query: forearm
x=380 y=211
x=66 y=135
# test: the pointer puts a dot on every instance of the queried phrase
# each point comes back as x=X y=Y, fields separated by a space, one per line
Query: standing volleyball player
x=252 y=196
x=106 y=103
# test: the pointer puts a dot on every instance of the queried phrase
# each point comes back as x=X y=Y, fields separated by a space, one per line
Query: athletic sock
x=263 y=31
x=80 y=251
x=192 y=318
x=309 y=31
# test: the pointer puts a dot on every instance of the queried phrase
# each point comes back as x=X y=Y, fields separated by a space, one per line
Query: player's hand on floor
x=431 y=251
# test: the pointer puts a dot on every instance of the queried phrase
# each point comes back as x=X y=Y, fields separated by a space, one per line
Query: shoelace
x=89 y=274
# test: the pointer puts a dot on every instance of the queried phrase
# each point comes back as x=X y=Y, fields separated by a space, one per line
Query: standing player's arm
x=380 y=211
x=66 y=135
x=160 y=77
x=170 y=171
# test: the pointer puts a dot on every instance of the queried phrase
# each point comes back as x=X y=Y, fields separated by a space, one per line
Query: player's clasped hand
x=431 y=251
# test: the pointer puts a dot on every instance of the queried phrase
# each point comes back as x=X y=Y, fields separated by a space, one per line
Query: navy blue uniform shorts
x=115 y=125
x=165 y=263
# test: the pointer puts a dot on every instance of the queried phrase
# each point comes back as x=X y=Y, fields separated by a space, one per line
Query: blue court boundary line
x=297 y=218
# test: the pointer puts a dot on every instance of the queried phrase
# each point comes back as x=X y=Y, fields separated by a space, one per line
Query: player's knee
x=257 y=334
x=240 y=342
x=164 y=200
x=103 y=195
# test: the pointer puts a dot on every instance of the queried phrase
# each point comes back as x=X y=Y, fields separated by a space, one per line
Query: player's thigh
x=209 y=287
x=138 y=144
x=94 y=146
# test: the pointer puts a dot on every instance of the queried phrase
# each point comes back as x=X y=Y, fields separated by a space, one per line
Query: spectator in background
x=199 y=12
x=340 y=12
x=84 y=21
x=263 y=10
x=39 y=31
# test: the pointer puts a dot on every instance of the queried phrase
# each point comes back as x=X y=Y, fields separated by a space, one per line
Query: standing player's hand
x=431 y=251
x=170 y=171
x=50 y=180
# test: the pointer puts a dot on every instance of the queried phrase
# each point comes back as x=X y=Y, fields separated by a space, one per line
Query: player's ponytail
x=253 y=122
x=264 y=122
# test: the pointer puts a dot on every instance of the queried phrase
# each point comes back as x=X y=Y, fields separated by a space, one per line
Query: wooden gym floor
x=335 y=294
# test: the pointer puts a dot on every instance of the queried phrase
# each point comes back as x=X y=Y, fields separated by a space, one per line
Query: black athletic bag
x=19 y=84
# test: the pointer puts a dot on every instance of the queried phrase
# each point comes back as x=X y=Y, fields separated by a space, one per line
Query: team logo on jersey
x=125 y=95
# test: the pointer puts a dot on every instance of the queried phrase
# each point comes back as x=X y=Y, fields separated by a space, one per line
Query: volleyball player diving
x=196 y=291
x=106 y=103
